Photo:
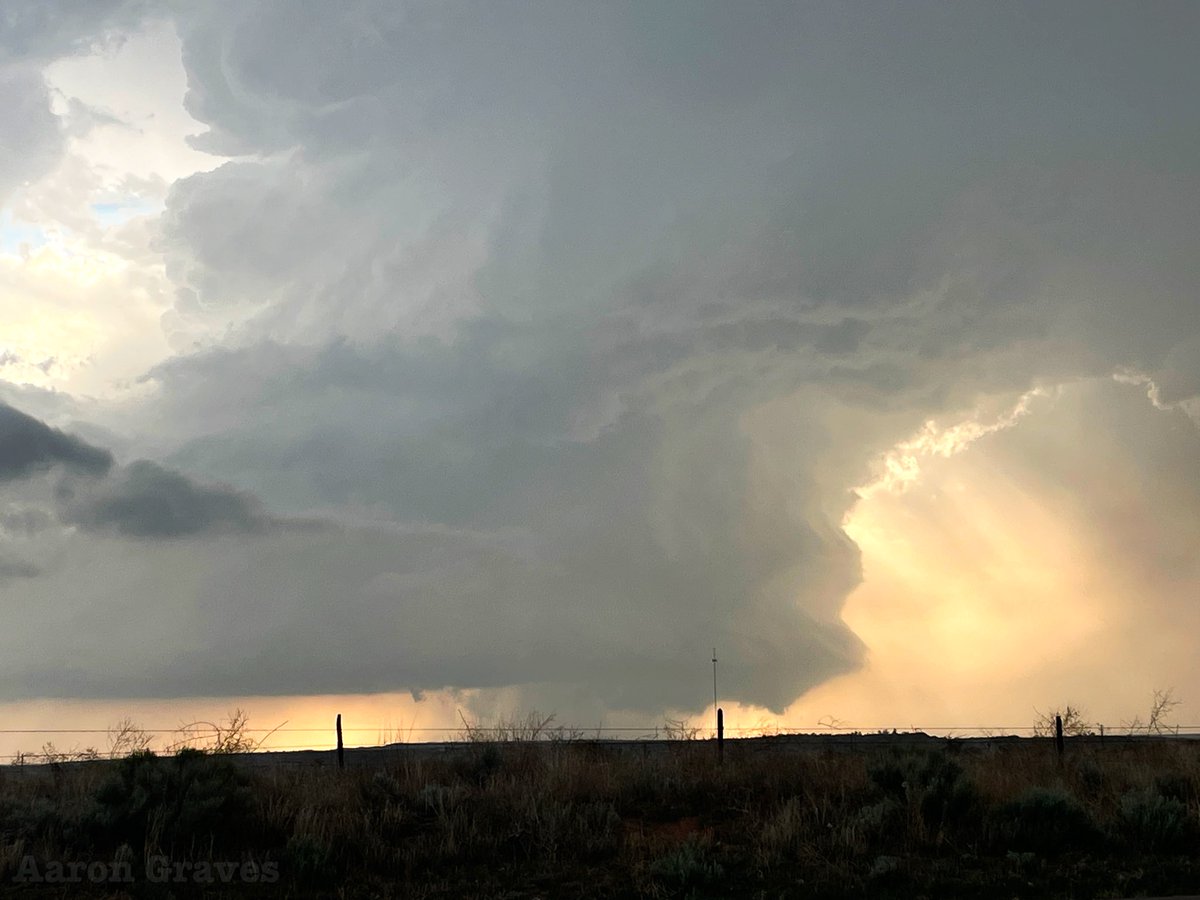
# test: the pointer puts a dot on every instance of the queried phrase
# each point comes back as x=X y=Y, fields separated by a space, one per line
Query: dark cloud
x=17 y=568
x=25 y=520
x=144 y=500
x=28 y=445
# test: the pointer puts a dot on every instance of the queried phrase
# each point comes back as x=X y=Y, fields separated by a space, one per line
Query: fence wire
x=160 y=739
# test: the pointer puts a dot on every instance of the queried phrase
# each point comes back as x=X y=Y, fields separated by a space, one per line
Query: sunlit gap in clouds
x=76 y=245
x=982 y=594
x=970 y=581
x=945 y=560
x=989 y=591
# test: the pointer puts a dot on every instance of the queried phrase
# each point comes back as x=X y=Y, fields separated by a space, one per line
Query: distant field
x=790 y=816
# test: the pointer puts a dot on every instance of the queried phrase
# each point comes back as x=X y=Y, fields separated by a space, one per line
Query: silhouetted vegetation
x=171 y=803
x=576 y=818
x=1047 y=820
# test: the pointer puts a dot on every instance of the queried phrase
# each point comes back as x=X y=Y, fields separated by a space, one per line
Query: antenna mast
x=714 y=680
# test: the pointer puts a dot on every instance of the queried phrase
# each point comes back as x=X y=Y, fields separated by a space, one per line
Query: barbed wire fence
x=285 y=738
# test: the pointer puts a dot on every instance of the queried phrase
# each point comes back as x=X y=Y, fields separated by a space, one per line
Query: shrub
x=596 y=828
x=1089 y=775
x=950 y=799
x=380 y=790
x=217 y=737
x=1074 y=722
x=885 y=868
x=482 y=765
x=782 y=833
x=690 y=864
x=38 y=818
x=310 y=861
x=127 y=737
x=1162 y=708
x=880 y=824
x=1151 y=822
x=933 y=787
x=1045 y=820
x=176 y=801
x=441 y=799
x=1175 y=786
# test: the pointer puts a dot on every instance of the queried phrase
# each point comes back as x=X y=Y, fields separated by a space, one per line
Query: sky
x=444 y=359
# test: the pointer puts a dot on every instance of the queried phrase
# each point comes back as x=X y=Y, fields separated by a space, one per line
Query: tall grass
x=581 y=818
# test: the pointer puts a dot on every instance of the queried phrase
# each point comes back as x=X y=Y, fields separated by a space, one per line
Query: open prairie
x=788 y=816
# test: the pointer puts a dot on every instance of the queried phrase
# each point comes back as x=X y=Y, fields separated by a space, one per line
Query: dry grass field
x=531 y=819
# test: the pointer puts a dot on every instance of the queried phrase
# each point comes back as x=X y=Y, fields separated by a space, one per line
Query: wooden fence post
x=720 y=736
x=1058 y=738
x=341 y=753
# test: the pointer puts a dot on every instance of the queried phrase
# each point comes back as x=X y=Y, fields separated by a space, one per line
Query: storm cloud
x=17 y=568
x=145 y=500
x=28 y=445
x=142 y=499
x=579 y=324
x=31 y=34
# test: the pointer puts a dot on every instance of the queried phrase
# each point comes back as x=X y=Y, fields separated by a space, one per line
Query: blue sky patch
x=14 y=234
x=119 y=212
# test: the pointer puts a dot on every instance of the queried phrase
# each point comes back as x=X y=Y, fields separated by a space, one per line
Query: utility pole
x=714 y=678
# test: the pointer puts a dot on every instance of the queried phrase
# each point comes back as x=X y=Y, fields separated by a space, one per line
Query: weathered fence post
x=720 y=736
x=341 y=752
x=1058 y=738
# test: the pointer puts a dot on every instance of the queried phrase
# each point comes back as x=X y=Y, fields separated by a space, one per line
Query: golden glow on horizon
x=368 y=719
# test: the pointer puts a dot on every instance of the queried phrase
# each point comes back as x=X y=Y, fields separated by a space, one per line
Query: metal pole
x=714 y=677
x=716 y=711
